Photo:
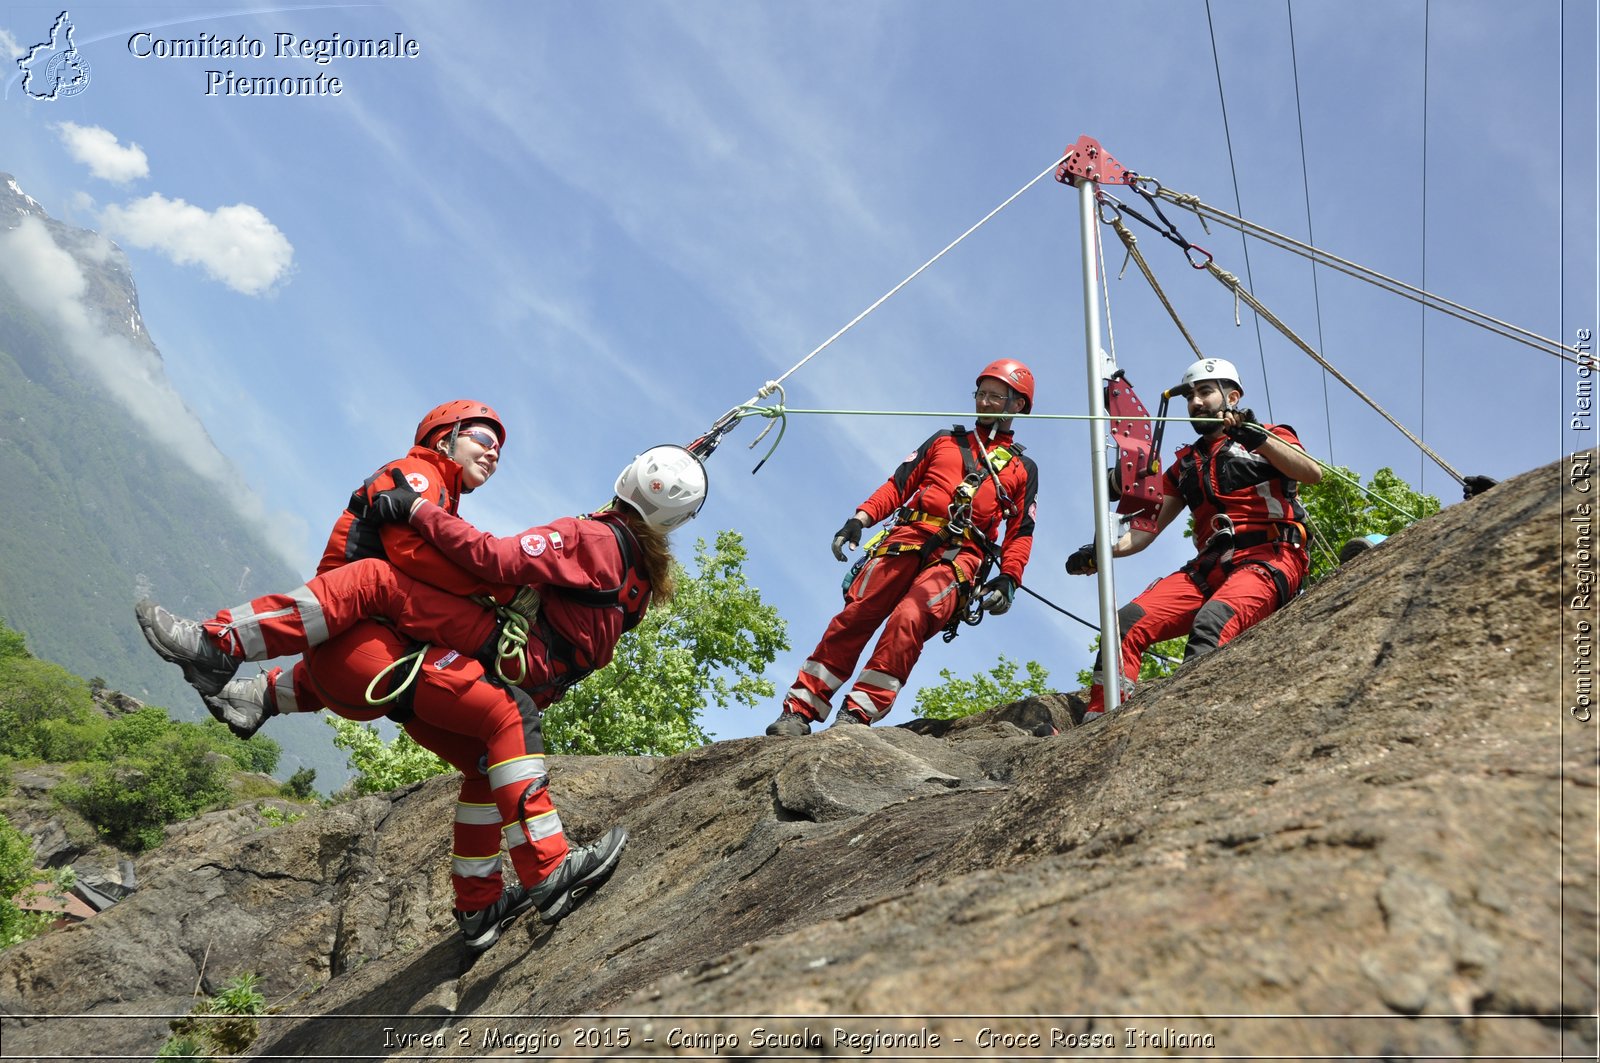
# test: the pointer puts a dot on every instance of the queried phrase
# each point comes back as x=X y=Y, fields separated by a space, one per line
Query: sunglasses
x=481 y=436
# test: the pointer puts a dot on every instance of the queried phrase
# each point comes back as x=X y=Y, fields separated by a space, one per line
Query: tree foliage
x=1341 y=511
x=379 y=765
x=131 y=775
x=176 y=775
x=16 y=872
x=1160 y=660
x=956 y=697
x=709 y=646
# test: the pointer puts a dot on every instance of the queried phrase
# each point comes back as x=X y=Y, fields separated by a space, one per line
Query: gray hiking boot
x=186 y=644
x=580 y=874
x=243 y=704
x=792 y=724
x=847 y=719
x=481 y=929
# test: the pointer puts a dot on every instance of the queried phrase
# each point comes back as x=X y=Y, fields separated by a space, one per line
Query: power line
x=1422 y=389
x=1238 y=203
x=1305 y=178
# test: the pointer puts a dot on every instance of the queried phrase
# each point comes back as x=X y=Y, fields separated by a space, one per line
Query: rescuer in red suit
x=913 y=579
x=590 y=578
x=1240 y=480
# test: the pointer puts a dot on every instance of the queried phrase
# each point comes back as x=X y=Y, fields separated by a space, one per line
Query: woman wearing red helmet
x=916 y=576
x=592 y=577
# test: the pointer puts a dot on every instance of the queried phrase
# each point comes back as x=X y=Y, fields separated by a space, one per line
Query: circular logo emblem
x=532 y=545
x=655 y=487
x=418 y=482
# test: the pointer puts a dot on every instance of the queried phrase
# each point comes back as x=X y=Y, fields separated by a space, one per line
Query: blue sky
x=614 y=221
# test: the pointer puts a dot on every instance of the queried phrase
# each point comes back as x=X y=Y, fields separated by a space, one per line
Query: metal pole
x=1099 y=427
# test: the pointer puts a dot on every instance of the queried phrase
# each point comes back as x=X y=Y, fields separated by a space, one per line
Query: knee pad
x=1205 y=634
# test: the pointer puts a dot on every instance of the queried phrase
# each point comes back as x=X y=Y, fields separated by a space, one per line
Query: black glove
x=1081 y=561
x=1473 y=486
x=850 y=533
x=997 y=594
x=393 y=506
x=1248 y=433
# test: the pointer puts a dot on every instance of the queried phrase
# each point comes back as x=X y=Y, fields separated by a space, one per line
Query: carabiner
x=1139 y=179
x=1189 y=251
x=1102 y=201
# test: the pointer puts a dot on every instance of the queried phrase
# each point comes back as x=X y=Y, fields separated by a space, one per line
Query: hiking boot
x=243 y=704
x=847 y=719
x=186 y=644
x=580 y=874
x=791 y=723
x=481 y=929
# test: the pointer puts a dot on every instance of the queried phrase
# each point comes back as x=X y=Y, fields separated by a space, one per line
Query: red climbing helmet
x=449 y=413
x=1014 y=375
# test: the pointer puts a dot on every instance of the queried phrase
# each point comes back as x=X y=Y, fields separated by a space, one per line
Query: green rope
x=415 y=657
x=748 y=410
x=780 y=412
x=513 y=640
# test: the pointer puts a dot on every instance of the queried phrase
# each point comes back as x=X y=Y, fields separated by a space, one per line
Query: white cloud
x=99 y=150
x=236 y=245
x=51 y=284
x=9 y=48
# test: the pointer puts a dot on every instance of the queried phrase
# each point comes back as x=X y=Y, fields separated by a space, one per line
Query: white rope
x=771 y=385
x=1390 y=284
x=1105 y=287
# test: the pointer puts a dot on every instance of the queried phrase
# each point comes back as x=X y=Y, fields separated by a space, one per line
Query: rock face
x=1372 y=805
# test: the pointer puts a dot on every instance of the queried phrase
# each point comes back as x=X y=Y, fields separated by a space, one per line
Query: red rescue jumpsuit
x=488 y=731
x=911 y=593
x=430 y=474
x=1234 y=581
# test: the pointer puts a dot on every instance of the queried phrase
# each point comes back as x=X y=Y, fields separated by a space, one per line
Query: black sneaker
x=242 y=704
x=185 y=644
x=791 y=723
x=482 y=928
x=846 y=718
x=580 y=874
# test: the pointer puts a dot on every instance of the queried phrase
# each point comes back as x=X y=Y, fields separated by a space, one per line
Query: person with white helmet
x=583 y=582
x=950 y=497
x=1240 y=480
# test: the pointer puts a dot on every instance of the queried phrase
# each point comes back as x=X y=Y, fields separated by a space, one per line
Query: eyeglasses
x=481 y=436
x=990 y=398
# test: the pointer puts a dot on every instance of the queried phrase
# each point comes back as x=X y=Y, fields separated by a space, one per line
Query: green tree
x=710 y=645
x=1160 y=660
x=12 y=644
x=302 y=784
x=381 y=766
x=129 y=800
x=956 y=697
x=16 y=872
x=45 y=711
x=1340 y=511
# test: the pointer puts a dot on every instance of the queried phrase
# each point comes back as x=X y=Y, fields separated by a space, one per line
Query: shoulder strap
x=632 y=595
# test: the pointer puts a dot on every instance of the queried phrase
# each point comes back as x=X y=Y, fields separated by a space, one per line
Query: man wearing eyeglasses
x=949 y=497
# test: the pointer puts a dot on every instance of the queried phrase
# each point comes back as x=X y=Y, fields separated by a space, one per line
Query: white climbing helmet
x=665 y=485
x=1208 y=369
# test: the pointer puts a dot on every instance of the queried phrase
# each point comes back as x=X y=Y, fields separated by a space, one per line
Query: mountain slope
x=1371 y=805
x=99 y=512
